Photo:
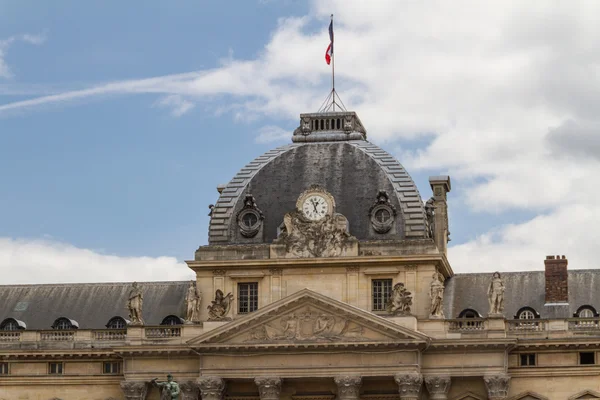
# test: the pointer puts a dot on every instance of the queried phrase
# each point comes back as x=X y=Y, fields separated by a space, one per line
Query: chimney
x=557 y=286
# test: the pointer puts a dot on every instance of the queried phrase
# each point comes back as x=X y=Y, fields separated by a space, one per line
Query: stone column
x=438 y=386
x=211 y=387
x=135 y=390
x=268 y=387
x=409 y=385
x=497 y=386
x=189 y=390
x=348 y=387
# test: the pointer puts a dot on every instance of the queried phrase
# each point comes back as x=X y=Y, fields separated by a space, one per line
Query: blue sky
x=104 y=167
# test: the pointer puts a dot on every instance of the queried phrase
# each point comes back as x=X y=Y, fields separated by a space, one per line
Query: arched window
x=586 y=311
x=527 y=313
x=469 y=313
x=172 y=320
x=117 y=323
x=63 y=323
x=11 y=324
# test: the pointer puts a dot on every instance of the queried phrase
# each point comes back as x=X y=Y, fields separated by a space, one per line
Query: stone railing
x=162 y=332
x=57 y=335
x=526 y=325
x=10 y=336
x=466 y=325
x=584 y=324
x=110 y=334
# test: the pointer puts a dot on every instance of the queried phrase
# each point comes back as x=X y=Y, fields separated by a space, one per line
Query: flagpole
x=333 y=69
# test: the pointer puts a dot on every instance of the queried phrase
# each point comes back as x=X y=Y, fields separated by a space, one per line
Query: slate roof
x=92 y=305
x=523 y=289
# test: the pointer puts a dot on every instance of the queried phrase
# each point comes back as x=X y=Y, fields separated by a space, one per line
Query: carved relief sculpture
x=436 y=294
x=192 y=303
x=134 y=390
x=268 y=387
x=211 y=387
x=348 y=387
x=189 y=390
x=135 y=303
x=409 y=385
x=169 y=390
x=438 y=386
x=496 y=294
x=220 y=306
x=400 y=300
x=497 y=386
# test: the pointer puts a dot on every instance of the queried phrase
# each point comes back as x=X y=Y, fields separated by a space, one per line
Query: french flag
x=329 y=51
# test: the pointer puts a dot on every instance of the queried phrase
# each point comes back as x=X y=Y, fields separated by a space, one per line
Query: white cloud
x=6 y=43
x=508 y=92
x=178 y=104
x=49 y=261
x=272 y=134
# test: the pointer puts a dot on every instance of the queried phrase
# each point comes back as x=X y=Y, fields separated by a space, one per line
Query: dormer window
x=117 y=323
x=172 y=320
x=63 y=323
x=586 y=312
x=469 y=313
x=11 y=324
x=527 y=313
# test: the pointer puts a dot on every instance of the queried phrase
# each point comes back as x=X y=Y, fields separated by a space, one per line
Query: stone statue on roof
x=192 y=303
x=436 y=294
x=496 y=294
x=169 y=389
x=134 y=303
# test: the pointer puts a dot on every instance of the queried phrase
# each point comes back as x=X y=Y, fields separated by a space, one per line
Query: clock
x=315 y=204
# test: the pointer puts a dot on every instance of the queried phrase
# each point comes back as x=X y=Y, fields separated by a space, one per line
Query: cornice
x=46 y=380
x=437 y=345
x=304 y=346
x=66 y=354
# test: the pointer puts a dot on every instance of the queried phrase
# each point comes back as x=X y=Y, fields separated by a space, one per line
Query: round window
x=249 y=220
x=382 y=218
x=382 y=215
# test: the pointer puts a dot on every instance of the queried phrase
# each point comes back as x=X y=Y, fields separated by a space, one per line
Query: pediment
x=585 y=395
x=469 y=396
x=528 y=395
x=307 y=318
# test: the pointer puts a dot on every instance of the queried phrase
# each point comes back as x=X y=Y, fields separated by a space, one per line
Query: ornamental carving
x=438 y=386
x=211 y=387
x=409 y=385
x=189 y=390
x=220 y=306
x=436 y=294
x=400 y=300
x=307 y=325
x=326 y=237
x=268 y=387
x=382 y=213
x=497 y=386
x=496 y=294
x=134 y=390
x=249 y=218
x=348 y=387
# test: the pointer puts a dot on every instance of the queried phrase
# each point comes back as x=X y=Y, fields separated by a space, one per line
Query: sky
x=118 y=121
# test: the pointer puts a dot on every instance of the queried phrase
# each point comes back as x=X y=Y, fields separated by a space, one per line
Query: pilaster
x=497 y=386
x=348 y=387
x=211 y=387
x=409 y=385
x=438 y=386
x=134 y=390
x=268 y=387
x=189 y=390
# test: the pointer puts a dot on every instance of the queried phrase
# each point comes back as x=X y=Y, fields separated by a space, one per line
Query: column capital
x=211 y=387
x=135 y=390
x=269 y=387
x=409 y=385
x=348 y=386
x=189 y=390
x=438 y=386
x=497 y=386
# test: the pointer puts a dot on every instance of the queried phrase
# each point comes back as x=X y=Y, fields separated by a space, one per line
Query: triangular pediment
x=528 y=395
x=469 y=396
x=307 y=318
x=586 y=394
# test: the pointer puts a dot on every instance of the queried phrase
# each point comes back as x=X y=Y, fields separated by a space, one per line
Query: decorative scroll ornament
x=189 y=390
x=220 y=306
x=497 y=386
x=134 y=390
x=348 y=387
x=382 y=213
x=438 y=386
x=400 y=300
x=436 y=294
x=249 y=218
x=268 y=387
x=211 y=387
x=135 y=302
x=409 y=385
x=496 y=294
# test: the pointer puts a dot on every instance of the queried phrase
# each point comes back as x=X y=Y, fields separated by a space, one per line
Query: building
x=325 y=276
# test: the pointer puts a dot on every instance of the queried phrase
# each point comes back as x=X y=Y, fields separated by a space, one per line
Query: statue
x=134 y=303
x=220 y=306
x=169 y=389
x=400 y=301
x=192 y=303
x=430 y=213
x=496 y=294
x=436 y=294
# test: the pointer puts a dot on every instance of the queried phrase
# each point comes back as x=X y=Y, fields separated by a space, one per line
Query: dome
x=329 y=151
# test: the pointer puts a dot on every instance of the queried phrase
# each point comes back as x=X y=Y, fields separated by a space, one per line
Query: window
x=526 y=314
x=247 y=297
x=587 y=358
x=382 y=215
x=469 y=313
x=382 y=288
x=55 y=368
x=10 y=326
x=249 y=219
x=4 y=368
x=527 y=360
x=65 y=323
x=111 y=367
x=172 y=320
x=586 y=313
x=116 y=323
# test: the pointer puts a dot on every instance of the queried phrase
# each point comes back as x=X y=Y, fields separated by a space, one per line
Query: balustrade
x=10 y=336
x=57 y=335
x=466 y=325
x=110 y=334
x=163 y=332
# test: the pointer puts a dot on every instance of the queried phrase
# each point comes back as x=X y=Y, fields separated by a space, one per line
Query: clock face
x=315 y=207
